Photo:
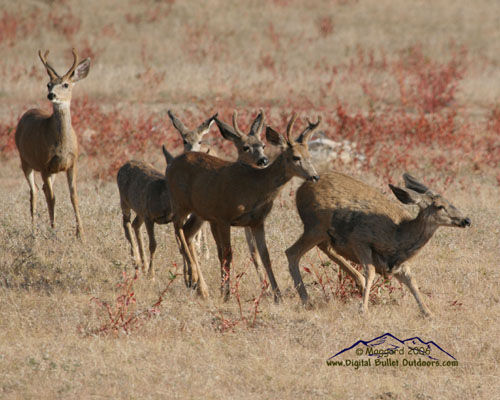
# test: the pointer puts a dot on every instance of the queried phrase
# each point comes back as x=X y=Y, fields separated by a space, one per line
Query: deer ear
x=205 y=125
x=168 y=157
x=257 y=124
x=274 y=137
x=81 y=71
x=226 y=131
x=405 y=196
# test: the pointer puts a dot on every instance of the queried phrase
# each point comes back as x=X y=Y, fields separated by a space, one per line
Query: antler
x=308 y=131
x=73 y=67
x=290 y=126
x=50 y=70
x=235 y=123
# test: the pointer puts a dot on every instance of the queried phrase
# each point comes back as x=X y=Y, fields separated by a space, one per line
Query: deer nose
x=465 y=222
x=314 y=178
x=263 y=162
x=51 y=96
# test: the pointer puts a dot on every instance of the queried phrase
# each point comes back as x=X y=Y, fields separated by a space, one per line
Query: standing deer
x=362 y=225
x=143 y=189
x=47 y=142
x=233 y=194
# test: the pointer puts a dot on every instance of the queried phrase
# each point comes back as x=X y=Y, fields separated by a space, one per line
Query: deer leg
x=71 y=176
x=294 y=253
x=369 y=271
x=128 y=234
x=49 y=196
x=191 y=230
x=225 y=257
x=254 y=253
x=179 y=231
x=29 y=173
x=405 y=276
x=260 y=240
x=136 y=224
x=344 y=264
x=150 y=228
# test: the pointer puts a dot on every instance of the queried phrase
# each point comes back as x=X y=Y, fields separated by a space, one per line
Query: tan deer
x=143 y=189
x=362 y=225
x=47 y=142
x=233 y=194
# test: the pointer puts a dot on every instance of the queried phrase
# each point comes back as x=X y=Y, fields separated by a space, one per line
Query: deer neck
x=61 y=120
x=413 y=234
x=274 y=177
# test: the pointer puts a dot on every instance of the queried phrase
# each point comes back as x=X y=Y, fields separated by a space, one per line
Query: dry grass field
x=415 y=85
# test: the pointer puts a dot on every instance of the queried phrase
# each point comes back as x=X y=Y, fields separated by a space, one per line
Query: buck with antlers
x=347 y=218
x=143 y=189
x=47 y=142
x=233 y=194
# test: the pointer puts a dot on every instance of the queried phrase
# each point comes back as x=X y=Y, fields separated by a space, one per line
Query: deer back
x=355 y=211
x=143 y=189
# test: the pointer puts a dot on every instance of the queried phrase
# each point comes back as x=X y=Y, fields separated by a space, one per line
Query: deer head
x=250 y=147
x=60 y=87
x=435 y=208
x=191 y=139
x=296 y=152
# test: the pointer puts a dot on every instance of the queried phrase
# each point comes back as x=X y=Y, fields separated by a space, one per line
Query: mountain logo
x=389 y=345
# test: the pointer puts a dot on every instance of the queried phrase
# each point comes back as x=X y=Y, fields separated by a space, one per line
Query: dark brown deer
x=233 y=194
x=362 y=225
x=47 y=142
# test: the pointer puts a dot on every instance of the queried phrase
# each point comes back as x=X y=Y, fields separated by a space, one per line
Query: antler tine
x=308 y=131
x=290 y=126
x=313 y=125
x=50 y=70
x=73 y=67
x=235 y=123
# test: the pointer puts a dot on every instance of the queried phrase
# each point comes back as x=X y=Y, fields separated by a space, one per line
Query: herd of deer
x=347 y=219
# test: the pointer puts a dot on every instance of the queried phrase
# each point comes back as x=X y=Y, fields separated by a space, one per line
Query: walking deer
x=233 y=194
x=47 y=142
x=142 y=189
x=362 y=225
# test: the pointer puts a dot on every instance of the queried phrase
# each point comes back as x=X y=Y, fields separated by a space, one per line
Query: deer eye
x=296 y=158
x=65 y=85
x=246 y=148
x=49 y=86
x=440 y=208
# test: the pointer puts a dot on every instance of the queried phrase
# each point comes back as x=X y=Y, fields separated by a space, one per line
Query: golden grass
x=199 y=54
x=47 y=285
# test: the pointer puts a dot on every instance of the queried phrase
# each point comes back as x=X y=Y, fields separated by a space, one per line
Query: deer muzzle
x=465 y=222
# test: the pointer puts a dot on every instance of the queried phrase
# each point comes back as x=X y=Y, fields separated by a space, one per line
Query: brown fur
x=233 y=194
x=348 y=219
x=47 y=142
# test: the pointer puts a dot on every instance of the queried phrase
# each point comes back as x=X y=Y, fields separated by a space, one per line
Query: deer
x=352 y=221
x=47 y=142
x=143 y=189
x=233 y=194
